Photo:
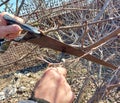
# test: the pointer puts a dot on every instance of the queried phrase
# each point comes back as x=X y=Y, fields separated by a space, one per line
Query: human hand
x=53 y=87
x=9 y=32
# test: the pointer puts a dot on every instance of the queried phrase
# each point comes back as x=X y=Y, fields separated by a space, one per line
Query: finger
x=12 y=36
x=53 y=81
x=69 y=94
x=64 y=89
x=62 y=71
x=46 y=87
x=59 y=70
x=3 y=22
x=10 y=29
x=13 y=16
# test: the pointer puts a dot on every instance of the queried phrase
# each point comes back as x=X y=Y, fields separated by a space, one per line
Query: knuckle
x=16 y=28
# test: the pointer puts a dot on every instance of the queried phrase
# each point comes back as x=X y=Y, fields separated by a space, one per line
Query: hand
x=9 y=31
x=53 y=87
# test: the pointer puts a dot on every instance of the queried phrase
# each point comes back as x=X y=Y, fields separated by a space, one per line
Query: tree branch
x=4 y=2
x=103 y=40
x=79 y=26
x=19 y=8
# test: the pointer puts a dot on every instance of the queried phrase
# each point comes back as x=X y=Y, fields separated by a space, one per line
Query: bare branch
x=103 y=40
x=4 y=2
x=19 y=8
x=78 y=26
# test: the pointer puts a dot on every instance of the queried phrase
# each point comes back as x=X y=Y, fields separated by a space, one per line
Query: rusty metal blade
x=48 y=42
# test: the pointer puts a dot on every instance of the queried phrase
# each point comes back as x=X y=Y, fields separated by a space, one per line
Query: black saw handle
x=25 y=27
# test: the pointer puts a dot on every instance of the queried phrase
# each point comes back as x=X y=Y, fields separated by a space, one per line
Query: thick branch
x=103 y=40
x=103 y=10
x=18 y=9
x=4 y=2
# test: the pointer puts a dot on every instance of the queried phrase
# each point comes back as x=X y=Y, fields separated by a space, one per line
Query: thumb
x=62 y=71
x=9 y=29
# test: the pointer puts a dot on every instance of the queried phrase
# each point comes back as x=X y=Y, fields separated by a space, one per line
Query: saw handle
x=4 y=44
x=10 y=20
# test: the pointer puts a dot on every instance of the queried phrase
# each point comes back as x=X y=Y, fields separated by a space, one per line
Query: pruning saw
x=37 y=37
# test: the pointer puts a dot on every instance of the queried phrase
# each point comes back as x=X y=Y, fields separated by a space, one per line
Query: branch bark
x=79 y=26
x=4 y=2
x=103 y=40
x=19 y=8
